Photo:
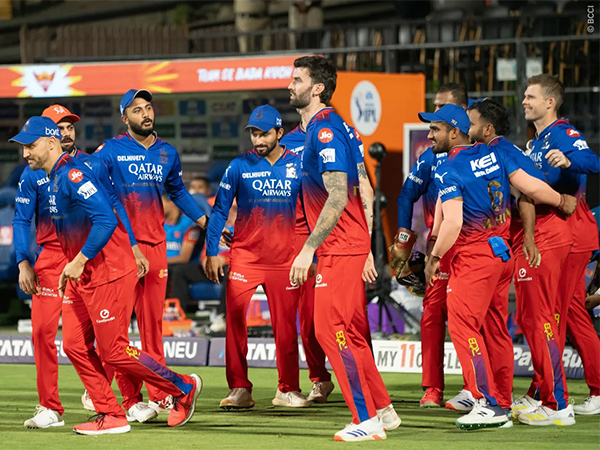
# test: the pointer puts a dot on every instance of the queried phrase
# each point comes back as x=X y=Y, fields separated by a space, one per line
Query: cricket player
x=99 y=280
x=564 y=157
x=540 y=244
x=420 y=184
x=141 y=165
x=476 y=220
x=339 y=237
x=265 y=183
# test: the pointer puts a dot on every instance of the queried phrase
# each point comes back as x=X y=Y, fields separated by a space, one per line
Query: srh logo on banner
x=365 y=107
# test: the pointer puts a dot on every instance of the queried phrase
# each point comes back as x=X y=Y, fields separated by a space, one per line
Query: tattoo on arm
x=336 y=184
x=366 y=194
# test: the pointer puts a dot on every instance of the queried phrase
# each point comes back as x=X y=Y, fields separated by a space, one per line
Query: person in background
x=252 y=16
x=200 y=185
x=304 y=15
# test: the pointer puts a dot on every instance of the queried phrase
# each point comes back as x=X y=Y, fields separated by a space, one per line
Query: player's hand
x=226 y=237
x=369 y=274
x=568 y=204
x=402 y=248
x=532 y=253
x=432 y=270
x=202 y=222
x=312 y=272
x=28 y=279
x=72 y=271
x=592 y=301
x=301 y=266
x=214 y=269
x=556 y=158
x=143 y=265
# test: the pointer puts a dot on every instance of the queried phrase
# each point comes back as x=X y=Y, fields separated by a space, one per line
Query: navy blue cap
x=127 y=99
x=35 y=128
x=264 y=118
x=453 y=115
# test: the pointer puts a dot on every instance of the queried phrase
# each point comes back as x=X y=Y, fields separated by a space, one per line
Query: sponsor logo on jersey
x=474 y=347
x=440 y=177
x=127 y=158
x=75 y=175
x=225 y=186
x=522 y=275
x=87 y=189
x=236 y=276
x=341 y=340
x=147 y=171
x=23 y=200
x=572 y=132
x=105 y=316
x=290 y=171
x=256 y=174
x=365 y=107
x=484 y=166
x=163 y=273
x=293 y=286
x=580 y=144
x=132 y=352
x=414 y=178
x=328 y=155
x=42 y=181
x=448 y=190
x=273 y=187
x=325 y=135
x=319 y=281
x=548 y=331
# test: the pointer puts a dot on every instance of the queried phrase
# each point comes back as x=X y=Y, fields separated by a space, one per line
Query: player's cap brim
x=430 y=117
x=262 y=126
x=24 y=138
x=72 y=117
x=143 y=93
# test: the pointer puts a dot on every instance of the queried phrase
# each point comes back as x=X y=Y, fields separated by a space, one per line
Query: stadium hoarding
x=160 y=77
x=390 y=356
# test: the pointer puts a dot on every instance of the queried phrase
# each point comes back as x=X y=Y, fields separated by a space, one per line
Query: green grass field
x=267 y=427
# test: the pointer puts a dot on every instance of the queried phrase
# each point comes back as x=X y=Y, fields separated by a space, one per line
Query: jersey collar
x=134 y=140
x=59 y=162
x=546 y=130
x=459 y=148
x=496 y=140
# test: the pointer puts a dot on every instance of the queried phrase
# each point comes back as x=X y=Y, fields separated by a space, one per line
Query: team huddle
x=303 y=232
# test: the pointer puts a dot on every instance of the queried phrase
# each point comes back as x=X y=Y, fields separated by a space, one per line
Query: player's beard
x=140 y=130
x=441 y=147
x=68 y=146
x=477 y=137
x=264 y=152
x=302 y=100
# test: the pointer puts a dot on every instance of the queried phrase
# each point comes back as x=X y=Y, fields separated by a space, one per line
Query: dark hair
x=458 y=91
x=551 y=86
x=201 y=178
x=320 y=71
x=494 y=113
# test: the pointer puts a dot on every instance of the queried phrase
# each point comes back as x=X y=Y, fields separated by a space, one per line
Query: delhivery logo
x=75 y=175
x=325 y=135
x=87 y=189
x=328 y=155
x=572 y=132
x=319 y=281
x=105 y=316
x=523 y=275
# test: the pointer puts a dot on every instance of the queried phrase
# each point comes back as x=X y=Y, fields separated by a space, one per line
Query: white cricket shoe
x=218 y=325
x=141 y=412
x=543 y=416
x=590 y=406
x=464 y=401
x=86 y=401
x=292 y=399
x=368 y=430
x=524 y=405
x=320 y=391
x=164 y=406
x=484 y=415
x=44 y=418
x=389 y=418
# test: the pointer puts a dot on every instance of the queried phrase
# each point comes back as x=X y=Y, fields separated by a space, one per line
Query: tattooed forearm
x=366 y=194
x=336 y=184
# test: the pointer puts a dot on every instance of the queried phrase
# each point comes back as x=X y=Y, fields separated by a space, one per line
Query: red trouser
x=100 y=314
x=149 y=301
x=283 y=306
x=536 y=293
x=475 y=274
x=45 y=314
x=340 y=328
x=315 y=356
x=497 y=339
x=433 y=327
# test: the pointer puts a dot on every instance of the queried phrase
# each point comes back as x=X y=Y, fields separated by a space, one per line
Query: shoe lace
x=98 y=418
x=39 y=409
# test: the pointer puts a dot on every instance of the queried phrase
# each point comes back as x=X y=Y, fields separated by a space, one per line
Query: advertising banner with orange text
x=378 y=105
x=161 y=77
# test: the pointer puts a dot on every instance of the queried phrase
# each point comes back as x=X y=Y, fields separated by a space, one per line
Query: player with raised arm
x=540 y=239
x=98 y=282
x=339 y=236
x=420 y=184
x=265 y=183
x=564 y=157
x=473 y=216
x=142 y=165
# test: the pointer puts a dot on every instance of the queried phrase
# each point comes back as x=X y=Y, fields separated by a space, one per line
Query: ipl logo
x=365 y=107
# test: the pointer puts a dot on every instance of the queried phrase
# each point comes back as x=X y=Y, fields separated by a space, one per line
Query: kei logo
x=75 y=175
x=325 y=135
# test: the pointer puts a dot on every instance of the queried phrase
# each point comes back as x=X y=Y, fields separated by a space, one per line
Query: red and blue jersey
x=479 y=174
x=139 y=176
x=331 y=146
x=266 y=196
x=420 y=184
x=184 y=230
x=85 y=222
x=32 y=200
x=563 y=136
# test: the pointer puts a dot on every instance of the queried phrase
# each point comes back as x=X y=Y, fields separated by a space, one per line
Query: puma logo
x=441 y=177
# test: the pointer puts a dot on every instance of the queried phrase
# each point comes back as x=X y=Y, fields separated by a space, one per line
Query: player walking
x=340 y=239
x=99 y=280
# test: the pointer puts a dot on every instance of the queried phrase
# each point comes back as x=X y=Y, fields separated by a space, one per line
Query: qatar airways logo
x=147 y=171
x=273 y=187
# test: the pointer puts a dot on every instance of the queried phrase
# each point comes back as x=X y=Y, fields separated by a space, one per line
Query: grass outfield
x=267 y=427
